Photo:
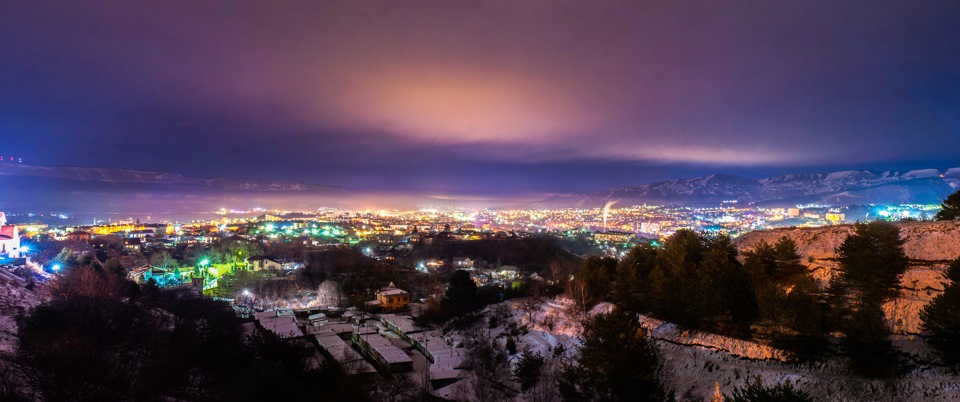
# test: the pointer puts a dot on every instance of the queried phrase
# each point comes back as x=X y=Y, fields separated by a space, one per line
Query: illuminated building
x=835 y=217
x=463 y=263
x=9 y=239
x=263 y=263
x=615 y=237
x=391 y=298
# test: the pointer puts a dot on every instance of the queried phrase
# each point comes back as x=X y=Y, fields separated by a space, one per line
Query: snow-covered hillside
x=696 y=362
x=15 y=299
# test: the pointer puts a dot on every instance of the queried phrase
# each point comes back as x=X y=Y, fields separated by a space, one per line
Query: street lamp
x=55 y=268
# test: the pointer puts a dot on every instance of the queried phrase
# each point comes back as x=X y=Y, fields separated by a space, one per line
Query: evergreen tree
x=942 y=317
x=616 y=363
x=699 y=280
x=632 y=278
x=674 y=283
x=528 y=369
x=596 y=274
x=755 y=391
x=788 y=297
x=461 y=294
x=872 y=261
x=779 y=262
x=734 y=298
x=867 y=343
x=951 y=208
x=788 y=260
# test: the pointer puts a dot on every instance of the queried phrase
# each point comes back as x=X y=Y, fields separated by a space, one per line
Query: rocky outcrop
x=929 y=245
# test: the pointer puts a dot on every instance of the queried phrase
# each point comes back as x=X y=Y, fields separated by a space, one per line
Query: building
x=650 y=227
x=141 y=234
x=262 y=263
x=835 y=217
x=80 y=235
x=615 y=237
x=508 y=272
x=434 y=264
x=133 y=245
x=463 y=263
x=9 y=239
x=391 y=298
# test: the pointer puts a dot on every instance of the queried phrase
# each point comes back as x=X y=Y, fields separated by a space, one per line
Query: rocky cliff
x=929 y=245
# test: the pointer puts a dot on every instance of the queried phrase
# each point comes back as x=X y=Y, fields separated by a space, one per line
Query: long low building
x=401 y=325
x=283 y=326
x=337 y=349
x=381 y=350
x=445 y=360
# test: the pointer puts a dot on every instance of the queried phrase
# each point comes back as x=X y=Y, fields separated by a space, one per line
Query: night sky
x=481 y=97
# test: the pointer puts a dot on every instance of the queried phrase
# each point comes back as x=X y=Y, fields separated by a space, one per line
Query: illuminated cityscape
x=479 y=201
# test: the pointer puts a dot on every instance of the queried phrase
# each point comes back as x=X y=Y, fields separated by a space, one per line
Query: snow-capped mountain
x=927 y=186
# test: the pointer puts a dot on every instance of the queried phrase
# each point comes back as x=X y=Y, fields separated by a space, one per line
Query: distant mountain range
x=104 y=175
x=98 y=191
x=851 y=187
x=26 y=187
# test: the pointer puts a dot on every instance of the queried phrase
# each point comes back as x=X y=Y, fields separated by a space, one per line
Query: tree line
x=767 y=294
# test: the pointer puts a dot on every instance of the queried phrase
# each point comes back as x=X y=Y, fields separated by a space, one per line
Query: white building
x=9 y=239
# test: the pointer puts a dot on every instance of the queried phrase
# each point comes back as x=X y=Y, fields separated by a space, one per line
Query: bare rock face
x=929 y=245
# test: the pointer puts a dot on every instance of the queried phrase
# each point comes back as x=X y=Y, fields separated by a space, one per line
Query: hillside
x=694 y=362
x=17 y=297
x=929 y=245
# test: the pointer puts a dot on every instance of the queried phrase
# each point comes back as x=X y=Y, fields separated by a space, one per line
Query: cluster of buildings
x=390 y=236
x=366 y=344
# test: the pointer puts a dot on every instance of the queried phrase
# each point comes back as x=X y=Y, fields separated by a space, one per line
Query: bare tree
x=578 y=292
x=558 y=275
x=530 y=305
x=400 y=388
x=545 y=390
x=163 y=260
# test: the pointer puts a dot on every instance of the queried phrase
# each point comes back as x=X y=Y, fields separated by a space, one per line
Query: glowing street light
x=204 y=262
x=55 y=268
x=246 y=293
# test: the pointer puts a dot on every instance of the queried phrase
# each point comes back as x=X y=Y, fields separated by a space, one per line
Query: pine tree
x=461 y=294
x=527 y=371
x=755 y=391
x=951 y=208
x=616 y=363
x=675 y=282
x=872 y=262
x=942 y=317
x=631 y=284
